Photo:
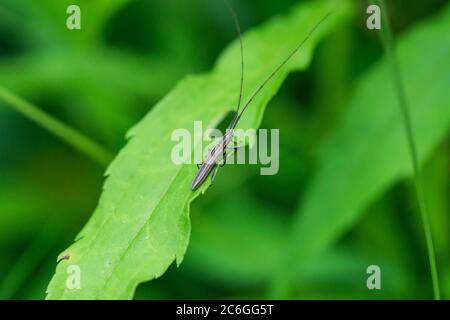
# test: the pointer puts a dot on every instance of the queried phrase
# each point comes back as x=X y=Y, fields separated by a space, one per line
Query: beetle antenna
x=283 y=63
x=238 y=31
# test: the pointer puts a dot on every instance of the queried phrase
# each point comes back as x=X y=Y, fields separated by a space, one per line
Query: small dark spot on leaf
x=66 y=257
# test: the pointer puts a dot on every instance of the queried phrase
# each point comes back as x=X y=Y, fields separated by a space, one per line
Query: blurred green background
x=103 y=80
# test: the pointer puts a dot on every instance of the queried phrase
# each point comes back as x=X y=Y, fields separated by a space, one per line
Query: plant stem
x=387 y=40
x=76 y=139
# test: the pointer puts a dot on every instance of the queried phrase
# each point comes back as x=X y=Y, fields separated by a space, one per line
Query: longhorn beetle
x=219 y=150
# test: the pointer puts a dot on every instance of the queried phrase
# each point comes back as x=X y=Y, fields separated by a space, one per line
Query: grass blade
x=67 y=134
x=388 y=43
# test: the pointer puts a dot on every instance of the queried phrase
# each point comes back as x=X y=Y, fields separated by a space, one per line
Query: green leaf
x=141 y=224
x=368 y=152
x=436 y=179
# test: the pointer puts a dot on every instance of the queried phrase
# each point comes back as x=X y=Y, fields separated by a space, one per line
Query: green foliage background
x=343 y=198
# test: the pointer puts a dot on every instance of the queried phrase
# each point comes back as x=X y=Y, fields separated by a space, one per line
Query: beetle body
x=215 y=155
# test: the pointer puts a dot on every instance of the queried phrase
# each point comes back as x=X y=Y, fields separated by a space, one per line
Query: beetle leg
x=224 y=162
x=213 y=176
x=234 y=147
x=224 y=156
